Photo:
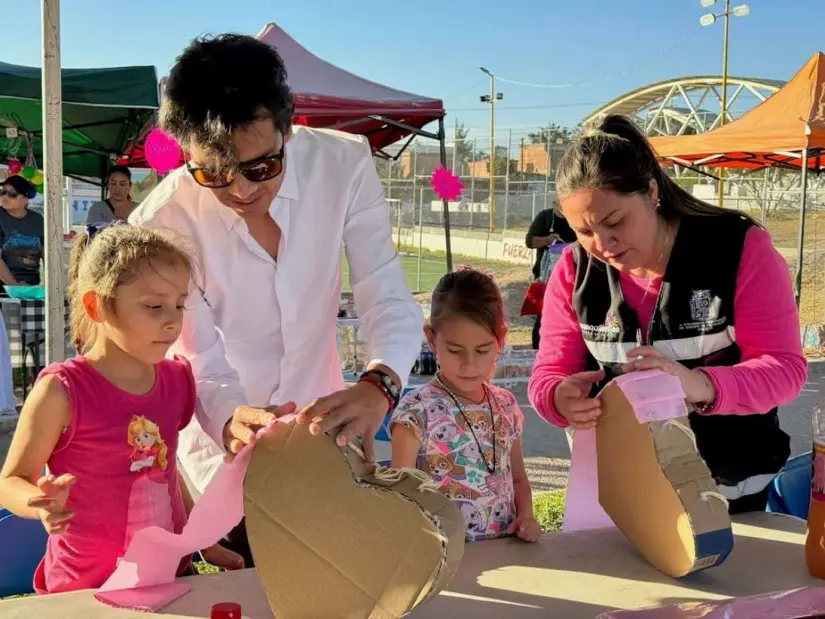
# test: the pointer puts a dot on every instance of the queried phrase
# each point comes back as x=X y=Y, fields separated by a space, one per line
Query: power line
x=610 y=78
x=524 y=107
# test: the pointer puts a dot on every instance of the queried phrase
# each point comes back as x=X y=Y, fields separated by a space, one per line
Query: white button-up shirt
x=262 y=332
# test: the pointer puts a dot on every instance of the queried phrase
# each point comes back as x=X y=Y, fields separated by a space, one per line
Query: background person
x=118 y=204
x=21 y=234
x=548 y=227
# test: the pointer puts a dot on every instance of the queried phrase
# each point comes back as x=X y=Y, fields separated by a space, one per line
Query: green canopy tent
x=103 y=111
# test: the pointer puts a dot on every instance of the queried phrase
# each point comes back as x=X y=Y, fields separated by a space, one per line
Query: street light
x=708 y=19
x=491 y=99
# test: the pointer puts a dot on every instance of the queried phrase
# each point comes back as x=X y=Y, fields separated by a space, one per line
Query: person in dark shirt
x=547 y=228
x=21 y=234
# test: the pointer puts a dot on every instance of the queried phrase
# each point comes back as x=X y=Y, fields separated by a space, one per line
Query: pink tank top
x=121 y=447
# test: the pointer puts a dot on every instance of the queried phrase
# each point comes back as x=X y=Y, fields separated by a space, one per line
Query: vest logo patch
x=704 y=310
x=610 y=330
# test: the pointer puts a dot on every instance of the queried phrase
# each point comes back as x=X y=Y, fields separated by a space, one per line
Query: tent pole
x=443 y=147
x=53 y=169
x=800 y=244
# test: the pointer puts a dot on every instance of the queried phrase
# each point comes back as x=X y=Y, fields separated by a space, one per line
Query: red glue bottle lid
x=226 y=610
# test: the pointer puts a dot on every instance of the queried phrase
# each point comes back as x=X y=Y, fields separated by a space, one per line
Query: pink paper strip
x=655 y=396
x=145 y=575
x=582 y=510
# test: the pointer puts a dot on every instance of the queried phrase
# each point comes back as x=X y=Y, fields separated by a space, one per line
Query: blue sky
x=434 y=47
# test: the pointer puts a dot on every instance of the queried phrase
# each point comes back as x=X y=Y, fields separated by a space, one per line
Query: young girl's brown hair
x=104 y=259
x=470 y=294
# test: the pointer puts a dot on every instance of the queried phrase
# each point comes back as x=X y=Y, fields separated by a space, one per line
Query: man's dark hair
x=220 y=84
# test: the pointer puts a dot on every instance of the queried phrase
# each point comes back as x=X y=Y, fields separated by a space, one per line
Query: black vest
x=692 y=323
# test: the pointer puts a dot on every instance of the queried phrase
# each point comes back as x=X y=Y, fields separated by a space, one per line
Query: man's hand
x=51 y=504
x=353 y=412
x=245 y=423
x=222 y=558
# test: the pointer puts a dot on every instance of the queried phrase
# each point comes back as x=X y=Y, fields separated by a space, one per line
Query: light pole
x=708 y=19
x=491 y=99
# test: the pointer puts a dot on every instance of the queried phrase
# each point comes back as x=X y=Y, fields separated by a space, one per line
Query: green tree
x=551 y=132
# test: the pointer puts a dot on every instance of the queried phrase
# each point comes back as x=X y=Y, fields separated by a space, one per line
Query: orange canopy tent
x=772 y=134
x=784 y=131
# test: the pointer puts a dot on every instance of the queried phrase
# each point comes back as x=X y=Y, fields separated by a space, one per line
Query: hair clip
x=93 y=228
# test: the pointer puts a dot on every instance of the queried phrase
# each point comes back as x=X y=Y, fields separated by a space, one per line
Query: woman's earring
x=658 y=204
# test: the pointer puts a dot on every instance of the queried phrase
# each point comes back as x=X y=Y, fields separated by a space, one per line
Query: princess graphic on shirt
x=150 y=497
x=148 y=448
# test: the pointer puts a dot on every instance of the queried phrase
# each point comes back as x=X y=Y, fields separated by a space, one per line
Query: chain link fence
x=771 y=197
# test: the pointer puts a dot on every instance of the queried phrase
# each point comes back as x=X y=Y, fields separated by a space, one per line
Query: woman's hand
x=572 y=401
x=698 y=387
x=222 y=558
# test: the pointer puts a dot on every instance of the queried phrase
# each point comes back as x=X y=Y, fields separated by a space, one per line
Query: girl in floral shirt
x=459 y=428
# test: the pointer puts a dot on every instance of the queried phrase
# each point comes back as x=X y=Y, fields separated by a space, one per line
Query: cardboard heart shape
x=334 y=536
x=657 y=488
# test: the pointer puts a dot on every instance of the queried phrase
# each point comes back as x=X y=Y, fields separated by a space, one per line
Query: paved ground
x=548 y=455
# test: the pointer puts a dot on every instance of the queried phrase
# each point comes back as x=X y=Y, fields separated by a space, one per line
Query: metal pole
x=507 y=176
x=800 y=243
x=473 y=184
x=547 y=172
x=492 y=153
x=724 y=96
x=444 y=203
x=534 y=206
x=414 y=178
x=421 y=241
x=398 y=205
x=455 y=143
x=52 y=95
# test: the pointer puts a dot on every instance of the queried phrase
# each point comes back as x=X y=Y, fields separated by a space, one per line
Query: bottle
x=815 y=541
x=226 y=610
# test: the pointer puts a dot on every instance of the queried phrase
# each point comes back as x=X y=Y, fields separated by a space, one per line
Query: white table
x=565 y=576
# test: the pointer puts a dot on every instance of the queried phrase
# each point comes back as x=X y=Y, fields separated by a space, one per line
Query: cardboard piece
x=655 y=486
x=334 y=536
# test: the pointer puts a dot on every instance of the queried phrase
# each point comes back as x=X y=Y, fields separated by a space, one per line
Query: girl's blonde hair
x=105 y=261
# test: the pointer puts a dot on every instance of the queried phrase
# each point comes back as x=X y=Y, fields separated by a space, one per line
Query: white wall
x=507 y=247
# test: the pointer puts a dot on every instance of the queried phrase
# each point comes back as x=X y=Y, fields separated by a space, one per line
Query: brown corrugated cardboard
x=657 y=489
x=332 y=536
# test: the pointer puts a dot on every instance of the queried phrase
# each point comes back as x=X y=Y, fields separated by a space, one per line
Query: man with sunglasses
x=266 y=208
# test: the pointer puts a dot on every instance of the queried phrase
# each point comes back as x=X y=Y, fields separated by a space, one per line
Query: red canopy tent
x=331 y=97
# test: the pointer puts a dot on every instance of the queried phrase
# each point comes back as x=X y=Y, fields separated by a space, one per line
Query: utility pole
x=491 y=99
x=709 y=19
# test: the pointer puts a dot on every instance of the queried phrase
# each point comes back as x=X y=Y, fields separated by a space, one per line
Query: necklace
x=639 y=340
x=491 y=468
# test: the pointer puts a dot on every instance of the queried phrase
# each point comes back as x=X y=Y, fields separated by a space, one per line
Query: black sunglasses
x=256 y=171
x=8 y=194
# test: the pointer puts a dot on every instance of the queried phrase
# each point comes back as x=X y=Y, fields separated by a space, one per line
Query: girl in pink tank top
x=106 y=423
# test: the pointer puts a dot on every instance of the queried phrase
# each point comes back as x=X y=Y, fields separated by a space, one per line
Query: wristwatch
x=385 y=384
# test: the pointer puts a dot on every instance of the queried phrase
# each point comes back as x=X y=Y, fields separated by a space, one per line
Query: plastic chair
x=22 y=546
x=790 y=492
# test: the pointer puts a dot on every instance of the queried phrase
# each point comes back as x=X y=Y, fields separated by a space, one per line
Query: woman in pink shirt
x=661 y=280
x=106 y=423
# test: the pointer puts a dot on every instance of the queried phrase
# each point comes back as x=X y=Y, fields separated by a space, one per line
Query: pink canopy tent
x=331 y=97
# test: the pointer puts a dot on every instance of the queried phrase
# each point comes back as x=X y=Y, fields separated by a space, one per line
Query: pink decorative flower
x=162 y=151
x=446 y=184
